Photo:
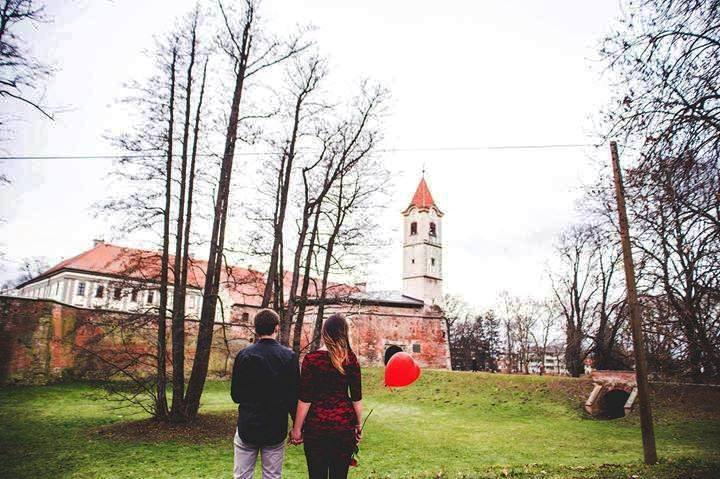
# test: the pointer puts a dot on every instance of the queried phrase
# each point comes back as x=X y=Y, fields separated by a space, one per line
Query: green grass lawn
x=445 y=425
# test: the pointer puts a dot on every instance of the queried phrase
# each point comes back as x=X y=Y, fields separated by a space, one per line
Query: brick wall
x=43 y=341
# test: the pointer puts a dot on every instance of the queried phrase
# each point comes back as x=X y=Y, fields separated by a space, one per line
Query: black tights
x=324 y=464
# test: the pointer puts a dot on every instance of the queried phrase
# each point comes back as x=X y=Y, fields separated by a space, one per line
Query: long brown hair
x=335 y=337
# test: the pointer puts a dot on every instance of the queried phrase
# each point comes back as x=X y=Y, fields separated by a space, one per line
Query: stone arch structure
x=390 y=351
x=613 y=394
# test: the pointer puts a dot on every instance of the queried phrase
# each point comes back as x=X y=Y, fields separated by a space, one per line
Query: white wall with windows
x=87 y=290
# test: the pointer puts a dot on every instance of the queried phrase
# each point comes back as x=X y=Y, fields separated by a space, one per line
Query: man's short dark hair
x=266 y=321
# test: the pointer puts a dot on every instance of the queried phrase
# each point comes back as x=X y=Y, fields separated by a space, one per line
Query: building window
x=133 y=296
x=432 y=261
x=57 y=288
x=416 y=348
x=433 y=232
x=150 y=297
x=245 y=317
x=191 y=302
x=413 y=228
x=117 y=294
x=412 y=261
x=100 y=291
x=81 y=289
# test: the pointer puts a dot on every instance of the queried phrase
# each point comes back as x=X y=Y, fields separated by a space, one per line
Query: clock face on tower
x=422 y=247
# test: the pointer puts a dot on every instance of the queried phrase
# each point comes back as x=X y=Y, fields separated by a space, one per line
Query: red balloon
x=401 y=370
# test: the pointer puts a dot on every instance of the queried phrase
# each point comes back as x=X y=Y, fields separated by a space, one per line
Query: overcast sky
x=462 y=74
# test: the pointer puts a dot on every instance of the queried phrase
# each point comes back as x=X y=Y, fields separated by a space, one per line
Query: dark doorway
x=391 y=351
x=613 y=404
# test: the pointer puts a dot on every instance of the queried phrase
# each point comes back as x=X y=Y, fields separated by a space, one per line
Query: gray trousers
x=246 y=456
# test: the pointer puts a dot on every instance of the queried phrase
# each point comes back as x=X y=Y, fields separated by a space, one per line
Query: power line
x=266 y=153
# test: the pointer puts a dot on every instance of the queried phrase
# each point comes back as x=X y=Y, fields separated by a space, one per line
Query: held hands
x=295 y=437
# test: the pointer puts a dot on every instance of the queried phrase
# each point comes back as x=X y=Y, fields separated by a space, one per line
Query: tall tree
x=182 y=230
x=575 y=289
x=161 y=407
x=305 y=78
x=665 y=58
x=249 y=54
x=344 y=147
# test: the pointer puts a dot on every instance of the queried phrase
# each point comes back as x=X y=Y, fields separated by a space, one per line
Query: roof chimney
x=98 y=242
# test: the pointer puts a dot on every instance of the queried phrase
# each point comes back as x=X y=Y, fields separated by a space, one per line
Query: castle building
x=109 y=278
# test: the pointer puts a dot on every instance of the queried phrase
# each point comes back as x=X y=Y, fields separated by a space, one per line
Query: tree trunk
x=161 y=407
x=177 y=410
x=300 y=319
x=286 y=325
x=196 y=383
x=573 y=351
x=284 y=180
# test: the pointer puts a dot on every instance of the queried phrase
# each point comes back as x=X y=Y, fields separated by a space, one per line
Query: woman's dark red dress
x=329 y=428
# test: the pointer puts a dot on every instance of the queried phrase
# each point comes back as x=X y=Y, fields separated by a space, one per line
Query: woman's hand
x=358 y=433
x=296 y=437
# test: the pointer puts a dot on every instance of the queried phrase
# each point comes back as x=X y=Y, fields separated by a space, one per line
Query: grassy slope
x=459 y=423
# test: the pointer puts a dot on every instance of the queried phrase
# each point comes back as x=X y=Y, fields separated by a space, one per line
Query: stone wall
x=43 y=341
x=374 y=328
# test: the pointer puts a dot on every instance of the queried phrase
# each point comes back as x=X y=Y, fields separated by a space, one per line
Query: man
x=265 y=385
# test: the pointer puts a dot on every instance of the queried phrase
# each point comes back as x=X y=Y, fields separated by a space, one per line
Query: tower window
x=412 y=261
x=433 y=232
x=432 y=261
x=413 y=228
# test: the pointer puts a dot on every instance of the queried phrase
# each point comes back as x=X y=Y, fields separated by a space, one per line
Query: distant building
x=553 y=361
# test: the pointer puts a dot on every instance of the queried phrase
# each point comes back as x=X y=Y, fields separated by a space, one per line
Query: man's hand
x=358 y=433
x=295 y=437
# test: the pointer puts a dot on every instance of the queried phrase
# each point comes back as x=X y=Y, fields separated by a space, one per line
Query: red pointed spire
x=422 y=199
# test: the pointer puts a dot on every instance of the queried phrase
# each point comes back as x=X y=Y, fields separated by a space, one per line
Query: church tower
x=422 y=247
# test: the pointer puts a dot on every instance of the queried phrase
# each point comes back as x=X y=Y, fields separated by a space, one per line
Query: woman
x=328 y=419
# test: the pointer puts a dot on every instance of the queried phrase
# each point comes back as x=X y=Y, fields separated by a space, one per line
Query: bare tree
x=665 y=57
x=20 y=73
x=575 y=290
x=344 y=147
x=350 y=230
x=29 y=268
x=544 y=331
x=304 y=78
x=153 y=204
x=249 y=55
x=455 y=311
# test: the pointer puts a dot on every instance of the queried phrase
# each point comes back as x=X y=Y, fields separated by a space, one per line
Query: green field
x=445 y=425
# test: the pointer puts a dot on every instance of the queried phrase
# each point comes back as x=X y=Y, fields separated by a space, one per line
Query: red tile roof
x=245 y=286
x=422 y=199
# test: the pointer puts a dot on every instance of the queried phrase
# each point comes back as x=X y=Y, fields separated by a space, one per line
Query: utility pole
x=646 y=422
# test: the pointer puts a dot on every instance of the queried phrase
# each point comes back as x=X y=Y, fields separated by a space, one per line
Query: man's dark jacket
x=265 y=383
